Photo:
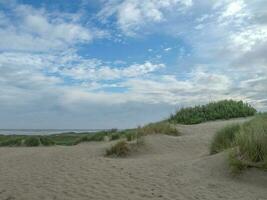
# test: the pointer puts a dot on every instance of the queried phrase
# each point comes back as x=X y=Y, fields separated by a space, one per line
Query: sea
x=44 y=131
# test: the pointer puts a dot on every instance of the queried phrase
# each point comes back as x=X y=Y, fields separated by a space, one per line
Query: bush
x=130 y=136
x=115 y=136
x=120 y=149
x=224 y=138
x=32 y=141
x=225 y=109
x=45 y=141
x=11 y=142
x=97 y=136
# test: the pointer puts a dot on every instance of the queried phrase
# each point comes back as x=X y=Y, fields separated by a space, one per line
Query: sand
x=166 y=168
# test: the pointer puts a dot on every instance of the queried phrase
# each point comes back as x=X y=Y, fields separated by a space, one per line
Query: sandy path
x=168 y=168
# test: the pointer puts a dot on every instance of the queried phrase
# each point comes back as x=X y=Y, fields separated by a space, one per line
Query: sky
x=124 y=63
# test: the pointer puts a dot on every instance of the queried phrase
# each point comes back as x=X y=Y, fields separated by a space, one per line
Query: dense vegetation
x=248 y=143
x=225 y=109
x=29 y=141
x=69 y=139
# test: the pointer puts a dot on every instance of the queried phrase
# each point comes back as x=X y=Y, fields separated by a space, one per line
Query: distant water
x=43 y=131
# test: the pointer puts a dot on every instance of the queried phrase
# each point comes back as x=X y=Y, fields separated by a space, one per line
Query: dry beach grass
x=166 y=167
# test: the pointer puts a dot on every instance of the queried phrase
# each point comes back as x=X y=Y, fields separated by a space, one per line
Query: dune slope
x=166 y=168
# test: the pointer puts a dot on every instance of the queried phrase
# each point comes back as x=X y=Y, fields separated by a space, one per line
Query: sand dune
x=165 y=168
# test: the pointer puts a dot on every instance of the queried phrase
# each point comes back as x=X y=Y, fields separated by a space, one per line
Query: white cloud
x=233 y=8
x=41 y=73
x=251 y=36
x=132 y=15
x=37 y=30
x=168 y=49
x=67 y=32
x=103 y=72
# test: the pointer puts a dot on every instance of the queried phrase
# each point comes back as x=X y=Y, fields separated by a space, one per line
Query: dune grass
x=248 y=143
x=224 y=138
x=66 y=139
x=251 y=145
x=124 y=147
x=225 y=109
x=120 y=149
x=159 y=128
x=69 y=139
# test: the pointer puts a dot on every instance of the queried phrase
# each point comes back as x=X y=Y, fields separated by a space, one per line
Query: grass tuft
x=224 y=138
x=251 y=142
x=248 y=143
x=236 y=165
x=159 y=128
x=120 y=149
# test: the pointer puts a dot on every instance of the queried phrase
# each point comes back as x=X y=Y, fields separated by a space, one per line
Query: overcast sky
x=123 y=63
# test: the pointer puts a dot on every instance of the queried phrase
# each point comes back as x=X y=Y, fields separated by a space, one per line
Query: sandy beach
x=167 y=167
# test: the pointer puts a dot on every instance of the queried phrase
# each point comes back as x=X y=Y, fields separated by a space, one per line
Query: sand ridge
x=167 y=168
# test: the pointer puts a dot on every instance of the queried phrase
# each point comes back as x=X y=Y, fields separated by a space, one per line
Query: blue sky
x=123 y=63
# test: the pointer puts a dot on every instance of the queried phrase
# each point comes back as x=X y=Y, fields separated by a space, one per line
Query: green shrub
x=11 y=141
x=130 y=136
x=115 y=136
x=120 y=149
x=31 y=141
x=65 y=139
x=46 y=141
x=225 y=109
x=224 y=138
x=97 y=136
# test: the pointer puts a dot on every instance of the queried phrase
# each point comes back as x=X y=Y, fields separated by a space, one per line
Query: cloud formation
x=24 y=28
x=218 y=47
x=134 y=15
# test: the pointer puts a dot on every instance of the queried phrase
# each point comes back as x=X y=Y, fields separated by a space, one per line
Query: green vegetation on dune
x=25 y=140
x=69 y=139
x=66 y=139
x=248 y=143
x=160 y=128
x=120 y=149
x=125 y=147
x=33 y=141
x=251 y=143
x=225 y=109
x=11 y=140
x=224 y=138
